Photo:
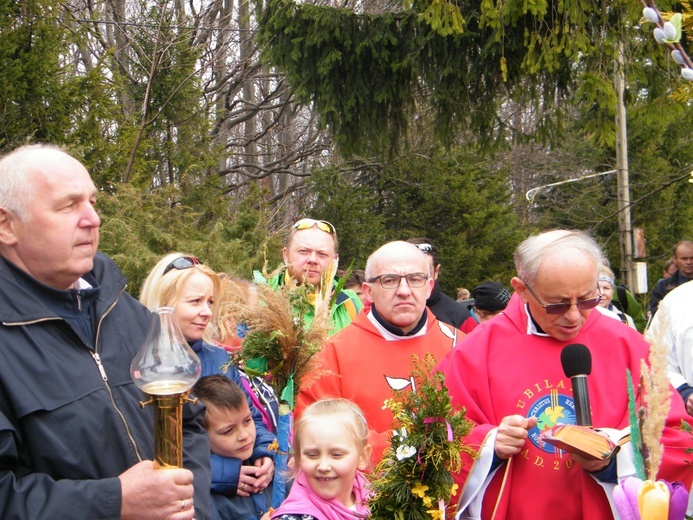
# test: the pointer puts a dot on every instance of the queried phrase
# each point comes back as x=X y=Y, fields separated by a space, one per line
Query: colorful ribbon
x=430 y=420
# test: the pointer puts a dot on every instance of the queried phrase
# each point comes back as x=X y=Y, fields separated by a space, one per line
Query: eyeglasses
x=562 y=308
x=392 y=281
x=323 y=225
x=184 y=262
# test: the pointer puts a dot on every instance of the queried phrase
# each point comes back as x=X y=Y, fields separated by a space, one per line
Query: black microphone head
x=576 y=360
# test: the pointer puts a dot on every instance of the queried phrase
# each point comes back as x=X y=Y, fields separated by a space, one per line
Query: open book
x=584 y=441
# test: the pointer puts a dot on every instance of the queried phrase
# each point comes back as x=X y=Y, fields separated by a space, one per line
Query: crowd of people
x=75 y=443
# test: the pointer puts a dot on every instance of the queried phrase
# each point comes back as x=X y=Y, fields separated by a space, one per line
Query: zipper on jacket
x=97 y=358
x=99 y=365
x=30 y=322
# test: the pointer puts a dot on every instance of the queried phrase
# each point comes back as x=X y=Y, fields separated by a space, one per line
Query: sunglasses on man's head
x=184 y=262
x=427 y=248
x=307 y=223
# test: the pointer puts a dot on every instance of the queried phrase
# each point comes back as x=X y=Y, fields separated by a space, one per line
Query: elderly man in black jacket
x=74 y=442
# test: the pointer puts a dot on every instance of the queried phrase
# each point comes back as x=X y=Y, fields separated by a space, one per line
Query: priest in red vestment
x=371 y=357
x=509 y=377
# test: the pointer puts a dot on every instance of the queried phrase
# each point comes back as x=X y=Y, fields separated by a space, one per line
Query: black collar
x=396 y=330
x=539 y=329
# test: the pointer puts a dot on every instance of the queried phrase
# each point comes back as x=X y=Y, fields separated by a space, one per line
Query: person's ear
x=8 y=236
x=520 y=288
x=365 y=457
x=430 y=283
x=285 y=255
x=436 y=272
x=367 y=292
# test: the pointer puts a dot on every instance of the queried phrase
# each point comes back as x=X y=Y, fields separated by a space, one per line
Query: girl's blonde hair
x=164 y=289
x=336 y=410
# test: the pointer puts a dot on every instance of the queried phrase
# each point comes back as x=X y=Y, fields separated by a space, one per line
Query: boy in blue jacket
x=229 y=423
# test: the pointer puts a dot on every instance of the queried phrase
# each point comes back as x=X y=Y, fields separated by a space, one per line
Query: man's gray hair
x=529 y=254
x=16 y=190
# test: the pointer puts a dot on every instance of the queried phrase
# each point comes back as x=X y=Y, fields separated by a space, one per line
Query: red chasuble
x=502 y=370
x=359 y=364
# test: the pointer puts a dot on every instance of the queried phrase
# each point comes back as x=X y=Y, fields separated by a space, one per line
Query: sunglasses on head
x=184 y=262
x=307 y=223
x=427 y=248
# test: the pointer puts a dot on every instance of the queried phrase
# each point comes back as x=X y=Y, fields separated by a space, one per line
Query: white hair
x=530 y=253
x=16 y=188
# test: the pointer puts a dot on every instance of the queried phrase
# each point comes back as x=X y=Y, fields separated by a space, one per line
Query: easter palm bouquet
x=280 y=347
x=414 y=479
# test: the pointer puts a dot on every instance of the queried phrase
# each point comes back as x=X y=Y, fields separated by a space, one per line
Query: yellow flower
x=436 y=514
x=653 y=500
x=427 y=501
x=453 y=490
x=419 y=490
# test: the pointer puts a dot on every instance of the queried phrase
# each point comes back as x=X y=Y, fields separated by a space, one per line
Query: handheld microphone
x=577 y=365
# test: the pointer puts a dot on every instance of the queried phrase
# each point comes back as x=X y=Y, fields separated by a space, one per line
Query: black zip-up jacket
x=663 y=287
x=70 y=420
x=446 y=309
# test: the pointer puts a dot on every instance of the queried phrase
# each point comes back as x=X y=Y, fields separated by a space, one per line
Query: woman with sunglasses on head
x=190 y=287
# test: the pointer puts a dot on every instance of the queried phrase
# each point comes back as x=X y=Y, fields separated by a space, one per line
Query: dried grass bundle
x=279 y=345
x=234 y=294
x=657 y=399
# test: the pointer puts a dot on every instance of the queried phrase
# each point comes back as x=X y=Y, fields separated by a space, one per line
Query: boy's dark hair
x=219 y=391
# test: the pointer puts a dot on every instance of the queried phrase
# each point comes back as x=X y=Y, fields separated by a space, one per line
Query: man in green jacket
x=311 y=250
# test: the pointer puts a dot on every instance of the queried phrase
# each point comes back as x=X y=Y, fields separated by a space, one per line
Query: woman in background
x=606 y=289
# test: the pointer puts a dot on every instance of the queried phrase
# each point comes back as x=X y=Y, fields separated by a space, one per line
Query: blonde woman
x=181 y=281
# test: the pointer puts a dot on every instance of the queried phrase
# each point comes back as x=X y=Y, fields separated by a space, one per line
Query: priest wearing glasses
x=371 y=357
x=509 y=376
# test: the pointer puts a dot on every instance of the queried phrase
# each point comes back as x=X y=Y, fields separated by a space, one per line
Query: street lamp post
x=531 y=193
x=625 y=230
